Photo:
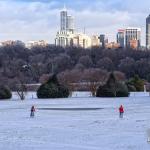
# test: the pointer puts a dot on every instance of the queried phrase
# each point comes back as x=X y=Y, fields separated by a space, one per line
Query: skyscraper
x=148 y=32
x=103 y=40
x=132 y=34
x=70 y=23
x=67 y=36
x=63 y=19
x=66 y=21
x=120 y=37
x=66 y=31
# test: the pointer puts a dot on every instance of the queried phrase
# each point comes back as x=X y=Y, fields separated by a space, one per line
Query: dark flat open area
x=70 y=109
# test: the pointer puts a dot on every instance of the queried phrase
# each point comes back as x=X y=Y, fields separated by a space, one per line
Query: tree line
x=22 y=65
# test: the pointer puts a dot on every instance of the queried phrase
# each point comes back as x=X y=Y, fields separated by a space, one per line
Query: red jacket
x=121 y=109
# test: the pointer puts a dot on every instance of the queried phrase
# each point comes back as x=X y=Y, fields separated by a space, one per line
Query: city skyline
x=40 y=18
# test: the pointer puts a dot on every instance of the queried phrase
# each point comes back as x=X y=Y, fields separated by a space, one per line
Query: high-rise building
x=66 y=21
x=148 y=32
x=67 y=36
x=63 y=19
x=121 y=37
x=132 y=34
x=102 y=40
x=70 y=23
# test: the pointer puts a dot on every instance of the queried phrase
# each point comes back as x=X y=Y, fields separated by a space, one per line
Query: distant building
x=63 y=38
x=18 y=42
x=67 y=36
x=121 y=37
x=31 y=44
x=12 y=43
x=70 y=24
x=63 y=19
x=95 y=42
x=103 y=40
x=81 y=40
x=148 y=32
x=112 y=45
x=66 y=21
x=132 y=34
x=134 y=44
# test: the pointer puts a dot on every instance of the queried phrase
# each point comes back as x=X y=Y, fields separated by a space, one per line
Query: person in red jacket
x=32 y=111
x=121 y=111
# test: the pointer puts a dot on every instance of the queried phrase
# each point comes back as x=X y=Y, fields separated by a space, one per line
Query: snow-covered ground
x=75 y=124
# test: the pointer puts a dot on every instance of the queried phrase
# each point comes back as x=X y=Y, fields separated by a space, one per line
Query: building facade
x=63 y=38
x=12 y=43
x=121 y=37
x=112 y=45
x=31 y=44
x=95 y=42
x=132 y=34
x=148 y=32
x=67 y=36
x=66 y=21
x=133 y=44
x=70 y=23
x=63 y=20
x=103 y=40
x=81 y=40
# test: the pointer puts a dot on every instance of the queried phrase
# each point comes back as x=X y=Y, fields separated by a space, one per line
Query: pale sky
x=39 y=19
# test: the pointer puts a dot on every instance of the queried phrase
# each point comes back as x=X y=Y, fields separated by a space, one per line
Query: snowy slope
x=79 y=128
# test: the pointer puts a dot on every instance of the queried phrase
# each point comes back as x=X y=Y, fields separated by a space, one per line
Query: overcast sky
x=39 y=19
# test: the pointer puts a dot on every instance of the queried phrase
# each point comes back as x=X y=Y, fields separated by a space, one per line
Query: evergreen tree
x=52 y=89
x=5 y=93
x=112 y=88
x=137 y=83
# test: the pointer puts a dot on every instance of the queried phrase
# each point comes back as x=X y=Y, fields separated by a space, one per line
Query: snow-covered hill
x=75 y=124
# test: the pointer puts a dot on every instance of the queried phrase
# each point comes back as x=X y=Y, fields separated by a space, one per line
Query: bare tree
x=44 y=78
x=94 y=78
x=21 y=85
x=21 y=90
x=88 y=79
x=69 y=78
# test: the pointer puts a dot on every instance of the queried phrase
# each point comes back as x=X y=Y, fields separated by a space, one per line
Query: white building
x=63 y=19
x=67 y=35
x=95 y=41
x=70 y=23
x=66 y=38
x=31 y=44
x=66 y=21
x=63 y=38
x=81 y=40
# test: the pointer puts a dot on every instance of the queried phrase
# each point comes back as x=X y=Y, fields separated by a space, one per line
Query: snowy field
x=82 y=123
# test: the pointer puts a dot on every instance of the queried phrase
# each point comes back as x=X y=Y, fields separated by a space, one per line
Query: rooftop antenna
x=65 y=9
